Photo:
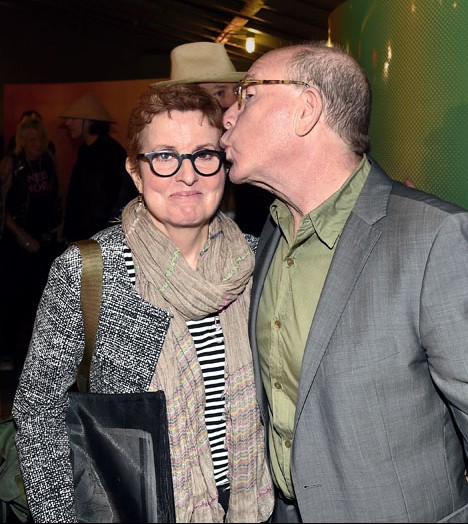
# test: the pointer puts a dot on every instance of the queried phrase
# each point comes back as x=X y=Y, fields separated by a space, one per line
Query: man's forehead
x=270 y=66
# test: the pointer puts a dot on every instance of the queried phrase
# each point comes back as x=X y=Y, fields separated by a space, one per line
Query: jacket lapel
x=355 y=245
x=264 y=255
x=349 y=259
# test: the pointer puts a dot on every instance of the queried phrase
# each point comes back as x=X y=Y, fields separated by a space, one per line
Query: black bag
x=120 y=456
x=119 y=442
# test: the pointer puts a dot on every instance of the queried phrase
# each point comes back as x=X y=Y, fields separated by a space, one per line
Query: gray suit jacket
x=382 y=413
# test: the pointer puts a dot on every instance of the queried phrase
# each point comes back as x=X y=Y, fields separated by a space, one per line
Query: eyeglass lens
x=244 y=84
x=205 y=162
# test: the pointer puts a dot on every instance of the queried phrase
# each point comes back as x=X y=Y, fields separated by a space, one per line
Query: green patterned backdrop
x=415 y=53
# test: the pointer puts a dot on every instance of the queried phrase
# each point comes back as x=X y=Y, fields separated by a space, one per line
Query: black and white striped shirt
x=209 y=343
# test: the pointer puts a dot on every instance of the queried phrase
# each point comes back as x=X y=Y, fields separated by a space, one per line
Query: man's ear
x=134 y=174
x=308 y=113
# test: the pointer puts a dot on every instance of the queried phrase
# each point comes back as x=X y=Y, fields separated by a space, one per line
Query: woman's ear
x=308 y=111
x=136 y=177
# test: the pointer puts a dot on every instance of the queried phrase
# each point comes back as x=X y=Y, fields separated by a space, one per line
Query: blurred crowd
x=37 y=222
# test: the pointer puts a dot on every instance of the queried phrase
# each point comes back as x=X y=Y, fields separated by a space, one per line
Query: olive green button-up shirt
x=287 y=307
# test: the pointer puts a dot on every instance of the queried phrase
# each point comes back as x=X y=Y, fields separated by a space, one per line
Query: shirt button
x=278 y=385
x=278 y=323
x=288 y=444
x=290 y=262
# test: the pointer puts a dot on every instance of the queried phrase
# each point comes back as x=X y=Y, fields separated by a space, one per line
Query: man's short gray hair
x=344 y=88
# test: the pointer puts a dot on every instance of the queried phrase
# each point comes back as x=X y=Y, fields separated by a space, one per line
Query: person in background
x=208 y=65
x=358 y=319
x=99 y=185
x=2 y=210
x=29 y=113
x=3 y=182
x=6 y=359
x=176 y=284
x=32 y=217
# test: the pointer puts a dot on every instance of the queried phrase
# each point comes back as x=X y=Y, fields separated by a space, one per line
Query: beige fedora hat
x=199 y=62
x=87 y=107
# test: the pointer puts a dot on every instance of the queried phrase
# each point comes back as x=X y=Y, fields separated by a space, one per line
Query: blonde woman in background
x=29 y=242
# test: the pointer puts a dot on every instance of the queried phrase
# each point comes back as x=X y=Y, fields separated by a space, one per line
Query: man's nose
x=230 y=116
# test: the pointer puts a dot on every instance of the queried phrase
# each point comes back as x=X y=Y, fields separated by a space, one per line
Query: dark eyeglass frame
x=180 y=158
x=244 y=84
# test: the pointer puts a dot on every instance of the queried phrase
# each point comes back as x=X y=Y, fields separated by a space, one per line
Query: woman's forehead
x=180 y=128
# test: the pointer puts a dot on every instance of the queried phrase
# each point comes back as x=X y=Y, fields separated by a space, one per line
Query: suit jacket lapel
x=357 y=240
x=348 y=262
x=355 y=245
x=265 y=252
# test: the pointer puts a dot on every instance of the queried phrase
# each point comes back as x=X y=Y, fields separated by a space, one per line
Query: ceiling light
x=250 y=44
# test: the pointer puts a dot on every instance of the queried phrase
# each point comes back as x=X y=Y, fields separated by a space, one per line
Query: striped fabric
x=208 y=338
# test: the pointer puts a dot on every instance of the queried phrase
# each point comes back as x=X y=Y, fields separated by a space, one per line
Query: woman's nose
x=187 y=173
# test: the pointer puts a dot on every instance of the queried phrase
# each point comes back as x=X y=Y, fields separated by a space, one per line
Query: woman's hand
x=24 y=239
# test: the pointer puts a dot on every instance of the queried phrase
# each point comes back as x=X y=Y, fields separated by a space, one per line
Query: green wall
x=415 y=53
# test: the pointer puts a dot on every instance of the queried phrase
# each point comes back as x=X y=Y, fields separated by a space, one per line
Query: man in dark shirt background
x=99 y=185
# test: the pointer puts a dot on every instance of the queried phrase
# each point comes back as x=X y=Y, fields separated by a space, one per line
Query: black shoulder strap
x=91 y=292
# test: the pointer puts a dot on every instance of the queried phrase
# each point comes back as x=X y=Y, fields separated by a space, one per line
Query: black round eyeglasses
x=206 y=162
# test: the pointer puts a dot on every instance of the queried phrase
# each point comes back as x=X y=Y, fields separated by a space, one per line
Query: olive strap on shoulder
x=90 y=297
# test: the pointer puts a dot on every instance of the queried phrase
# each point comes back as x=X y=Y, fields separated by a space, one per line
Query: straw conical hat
x=199 y=62
x=87 y=107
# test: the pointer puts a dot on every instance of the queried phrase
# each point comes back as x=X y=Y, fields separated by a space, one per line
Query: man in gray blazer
x=359 y=316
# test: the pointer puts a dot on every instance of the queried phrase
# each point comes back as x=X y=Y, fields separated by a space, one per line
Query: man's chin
x=234 y=176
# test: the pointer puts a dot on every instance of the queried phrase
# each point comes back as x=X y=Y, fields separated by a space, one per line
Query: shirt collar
x=329 y=218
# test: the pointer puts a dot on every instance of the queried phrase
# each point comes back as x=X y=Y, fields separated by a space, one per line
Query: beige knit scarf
x=221 y=284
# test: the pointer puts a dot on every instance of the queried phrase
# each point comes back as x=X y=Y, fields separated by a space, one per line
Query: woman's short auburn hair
x=156 y=100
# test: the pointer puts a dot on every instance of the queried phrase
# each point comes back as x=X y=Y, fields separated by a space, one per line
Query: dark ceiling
x=135 y=37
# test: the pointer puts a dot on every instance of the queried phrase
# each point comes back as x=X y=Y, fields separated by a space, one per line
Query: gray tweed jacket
x=130 y=336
